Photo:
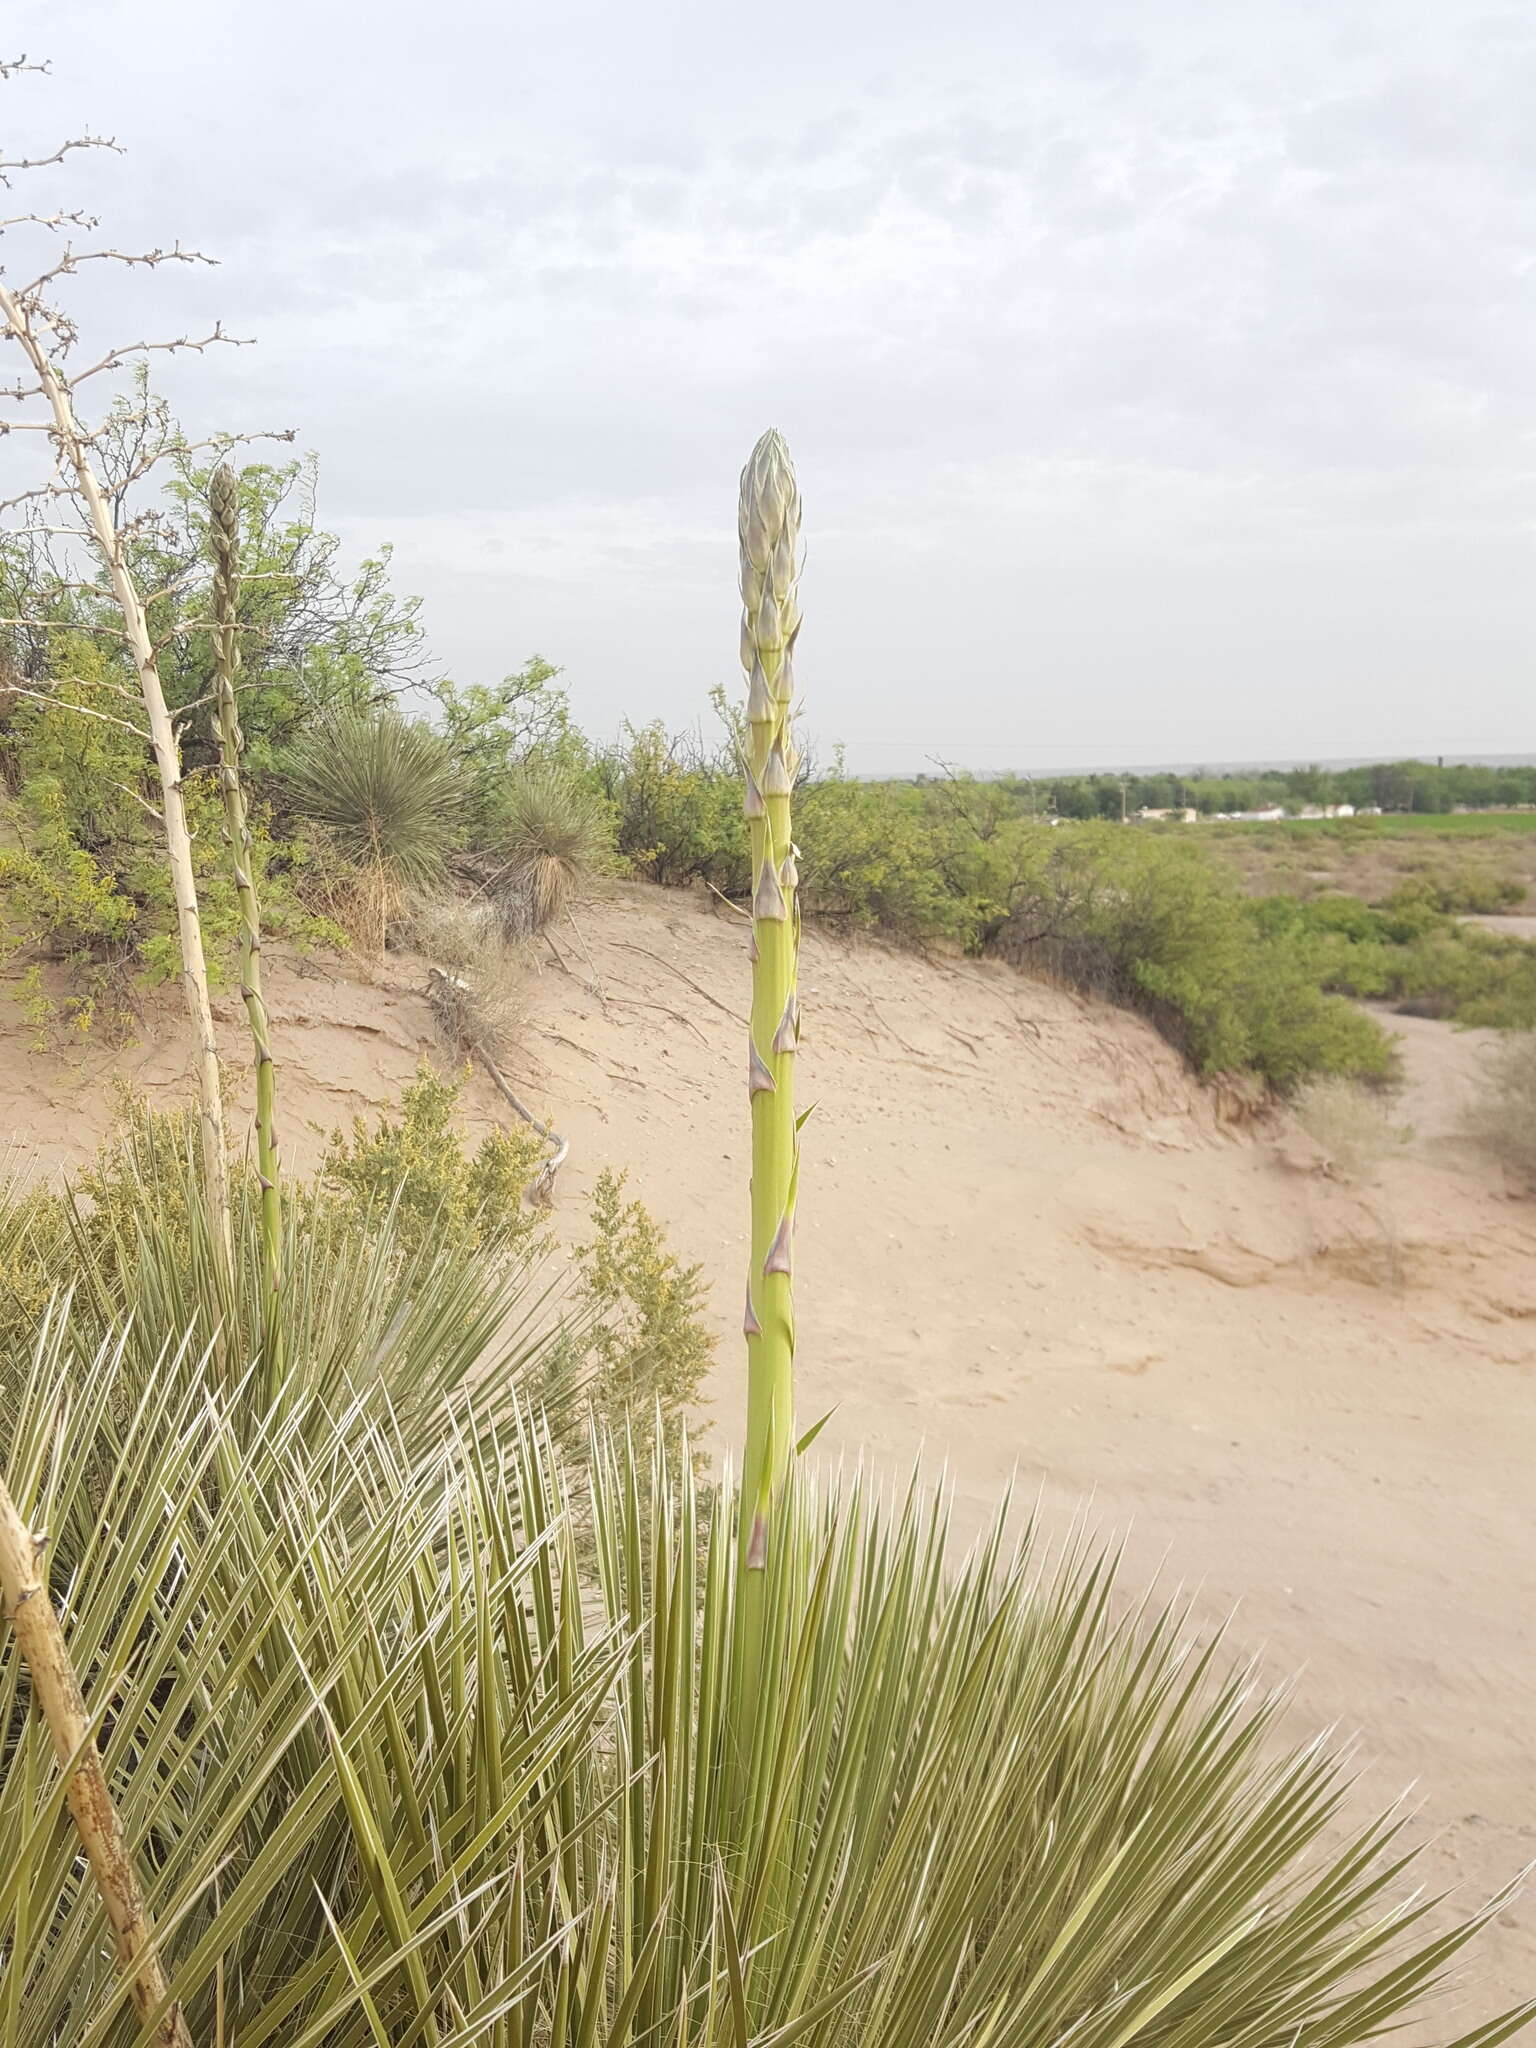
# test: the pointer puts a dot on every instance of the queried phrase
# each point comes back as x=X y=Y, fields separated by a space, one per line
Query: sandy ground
x=1031 y=1245
x=1514 y=926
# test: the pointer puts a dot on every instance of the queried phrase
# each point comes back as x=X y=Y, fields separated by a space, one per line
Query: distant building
x=1183 y=814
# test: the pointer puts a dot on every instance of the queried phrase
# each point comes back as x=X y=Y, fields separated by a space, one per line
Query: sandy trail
x=1031 y=1246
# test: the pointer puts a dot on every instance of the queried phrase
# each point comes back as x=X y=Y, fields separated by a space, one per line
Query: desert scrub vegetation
x=401 y=1727
x=84 y=886
x=366 y=778
x=1150 y=918
x=1410 y=951
x=675 y=807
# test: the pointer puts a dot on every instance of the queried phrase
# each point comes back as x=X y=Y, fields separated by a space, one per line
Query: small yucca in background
x=556 y=835
x=386 y=790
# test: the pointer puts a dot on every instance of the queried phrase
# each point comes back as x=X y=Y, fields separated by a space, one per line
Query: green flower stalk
x=769 y=529
x=224 y=527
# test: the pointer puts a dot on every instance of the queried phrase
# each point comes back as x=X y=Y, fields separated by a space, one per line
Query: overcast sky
x=1161 y=377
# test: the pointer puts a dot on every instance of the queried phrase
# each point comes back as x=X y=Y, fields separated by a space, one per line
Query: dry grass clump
x=1502 y=1116
x=556 y=835
x=478 y=978
x=1351 y=1123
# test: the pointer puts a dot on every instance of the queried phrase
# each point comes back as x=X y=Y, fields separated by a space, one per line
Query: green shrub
x=492 y=729
x=1461 y=891
x=84 y=883
x=1408 y=951
x=637 y=1342
x=676 y=811
x=649 y=1348
x=1147 y=919
x=364 y=1313
x=405 y=1235
x=1142 y=917
x=415 y=1166
x=869 y=858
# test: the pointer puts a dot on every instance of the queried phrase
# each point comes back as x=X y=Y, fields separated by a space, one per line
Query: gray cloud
x=1156 y=376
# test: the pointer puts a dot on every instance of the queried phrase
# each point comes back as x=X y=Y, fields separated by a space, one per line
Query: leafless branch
x=64 y=626
x=115 y=358
x=42 y=163
x=70 y=261
x=139 y=798
x=184 y=628
x=58 y=703
x=52 y=221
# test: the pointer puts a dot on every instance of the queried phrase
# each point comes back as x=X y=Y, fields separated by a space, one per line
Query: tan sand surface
x=1031 y=1245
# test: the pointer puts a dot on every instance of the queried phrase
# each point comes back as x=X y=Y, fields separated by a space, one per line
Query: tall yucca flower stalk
x=224 y=528
x=769 y=531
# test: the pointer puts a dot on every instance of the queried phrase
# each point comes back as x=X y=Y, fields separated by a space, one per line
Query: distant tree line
x=1393 y=785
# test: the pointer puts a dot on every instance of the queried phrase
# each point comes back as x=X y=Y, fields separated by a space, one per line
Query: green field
x=1416 y=824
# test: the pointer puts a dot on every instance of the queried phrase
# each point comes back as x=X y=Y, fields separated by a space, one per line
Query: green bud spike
x=769 y=533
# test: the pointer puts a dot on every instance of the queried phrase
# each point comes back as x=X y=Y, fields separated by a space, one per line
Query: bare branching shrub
x=477 y=983
x=556 y=835
x=1352 y=1124
x=1502 y=1115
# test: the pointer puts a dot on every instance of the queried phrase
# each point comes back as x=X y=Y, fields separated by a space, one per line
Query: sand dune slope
x=1030 y=1243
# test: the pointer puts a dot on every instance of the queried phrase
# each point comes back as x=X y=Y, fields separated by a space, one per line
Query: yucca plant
x=329 y=1709
x=554 y=835
x=387 y=792
x=388 y=1772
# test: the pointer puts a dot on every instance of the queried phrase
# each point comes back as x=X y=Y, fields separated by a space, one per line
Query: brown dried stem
x=56 y=1690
